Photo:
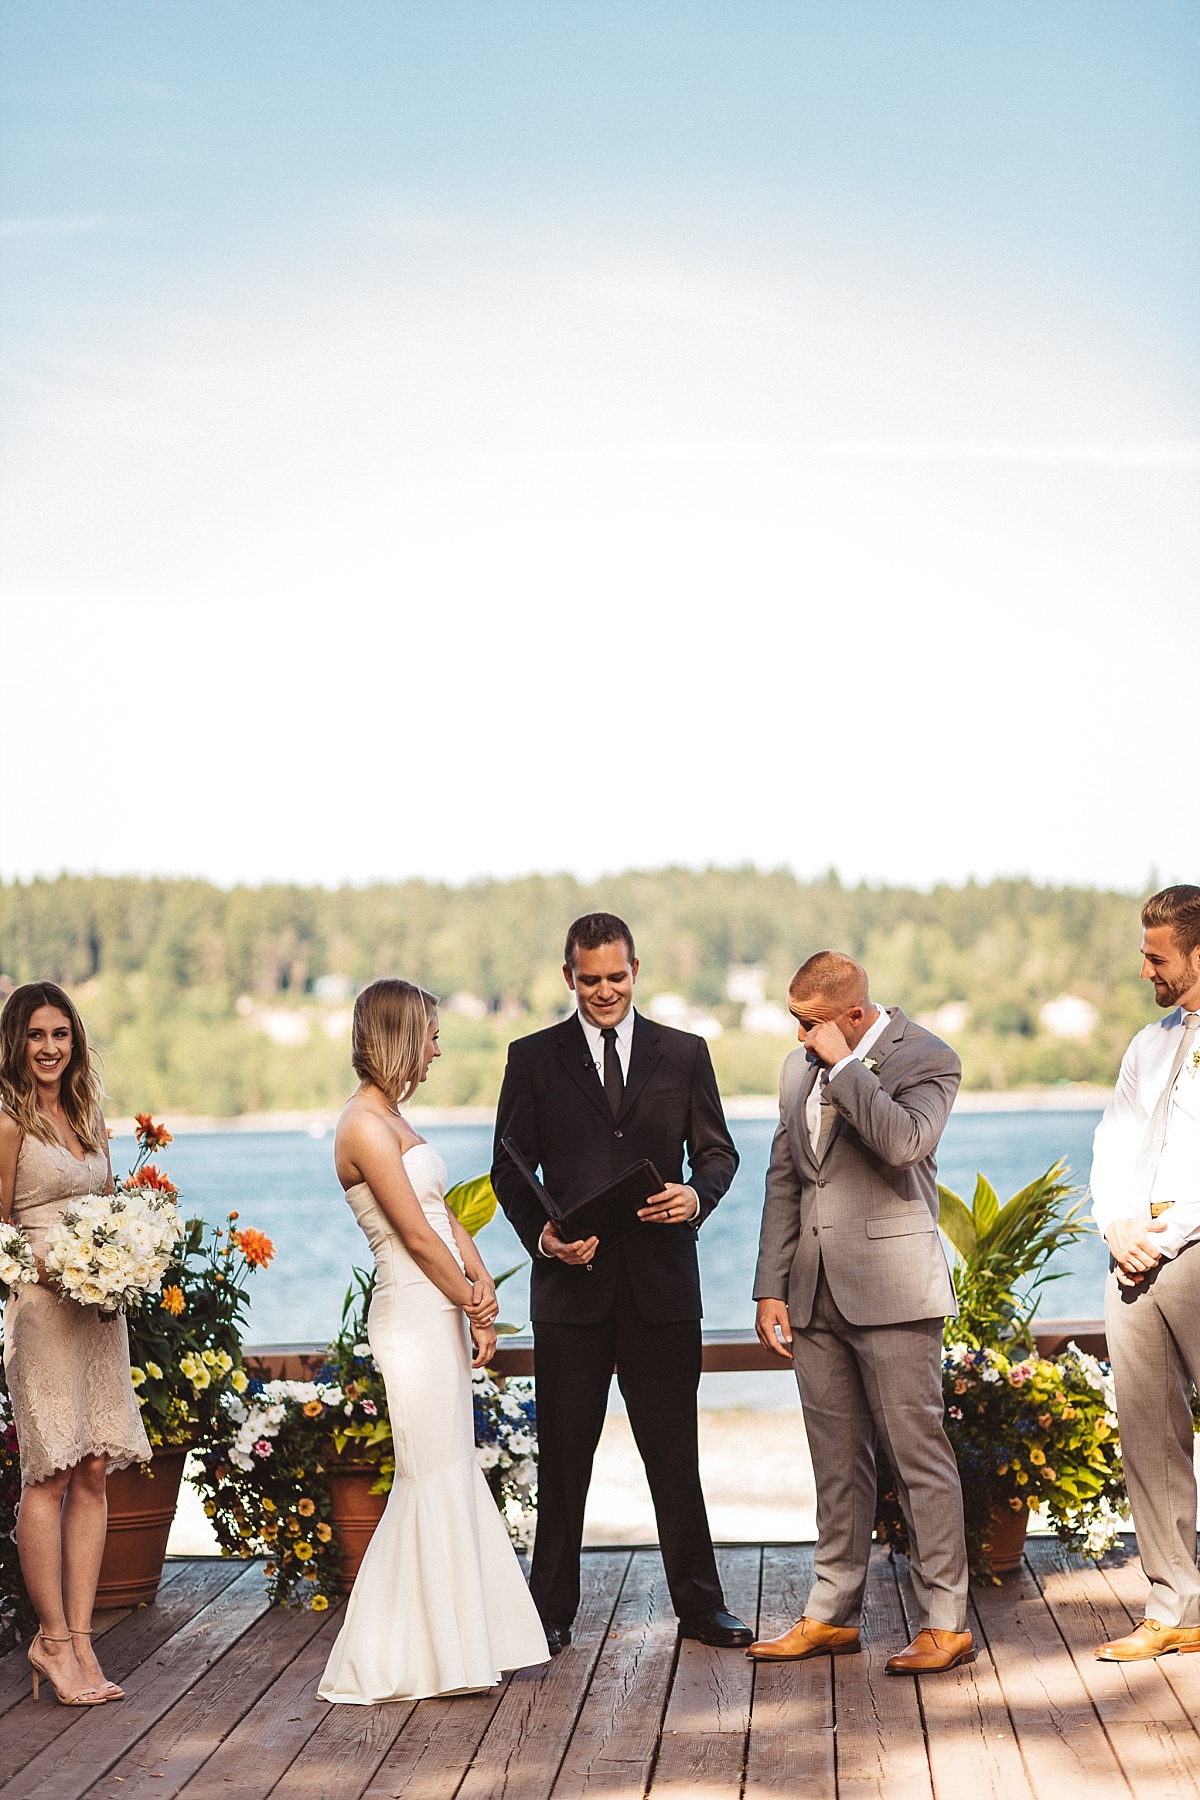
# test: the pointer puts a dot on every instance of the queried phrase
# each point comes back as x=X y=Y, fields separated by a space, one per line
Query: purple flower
x=263 y=1447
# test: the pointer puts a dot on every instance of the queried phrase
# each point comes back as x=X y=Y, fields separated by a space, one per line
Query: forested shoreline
x=223 y=1001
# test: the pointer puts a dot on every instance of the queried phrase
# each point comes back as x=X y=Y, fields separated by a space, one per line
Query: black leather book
x=610 y=1213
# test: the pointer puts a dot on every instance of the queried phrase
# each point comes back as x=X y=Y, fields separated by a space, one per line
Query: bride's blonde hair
x=387 y=1038
x=79 y=1092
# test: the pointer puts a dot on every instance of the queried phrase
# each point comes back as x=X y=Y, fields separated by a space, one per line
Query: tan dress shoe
x=932 y=1651
x=808 y=1637
x=1151 y=1639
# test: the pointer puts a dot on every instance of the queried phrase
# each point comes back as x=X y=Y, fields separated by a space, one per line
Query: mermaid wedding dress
x=440 y=1605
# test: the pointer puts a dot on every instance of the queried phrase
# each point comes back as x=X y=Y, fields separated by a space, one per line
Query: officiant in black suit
x=585 y=1100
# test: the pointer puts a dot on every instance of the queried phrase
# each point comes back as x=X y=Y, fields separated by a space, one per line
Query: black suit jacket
x=553 y=1106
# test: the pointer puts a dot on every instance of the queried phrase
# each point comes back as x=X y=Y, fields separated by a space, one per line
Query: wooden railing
x=725 y=1352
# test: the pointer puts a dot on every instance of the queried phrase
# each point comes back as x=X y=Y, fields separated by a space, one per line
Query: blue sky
x=422 y=380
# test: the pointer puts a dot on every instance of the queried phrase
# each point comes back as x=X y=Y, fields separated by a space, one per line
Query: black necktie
x=614 y=1081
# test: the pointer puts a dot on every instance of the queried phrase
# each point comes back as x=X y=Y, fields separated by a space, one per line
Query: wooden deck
x=222 y=1702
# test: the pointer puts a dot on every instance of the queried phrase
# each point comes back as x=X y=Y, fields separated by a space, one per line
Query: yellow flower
x=1068 y=1412
x=305 y=1508
x=137 y=1376
x=173 y=1301
x=324 y=1532
x=1002 y=1469
x=201 y=1379
x=210 y=1357
x=190 y=1366
x=268 y=1503
x=1037 y=1457
x=303 y=1551
x=1101 y=1429
x=1022 y=1478
x=320 y=1603
x=313 y=1409
x=154 y=1372
x=239 y=1381
x=210 y=1507
x=224 y=1361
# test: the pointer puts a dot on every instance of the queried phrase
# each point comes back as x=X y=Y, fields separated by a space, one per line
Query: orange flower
x=255 y=1246
x=150 y=1135
x=313 y=1409
x=153 y=1178
x=173 y=1300
x=305 y=1508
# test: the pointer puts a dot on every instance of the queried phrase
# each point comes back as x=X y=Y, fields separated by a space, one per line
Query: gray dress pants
x=1154 y=1342
x=856 y=1382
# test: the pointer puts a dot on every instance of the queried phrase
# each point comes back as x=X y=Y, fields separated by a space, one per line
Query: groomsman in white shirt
x=1146 y=1203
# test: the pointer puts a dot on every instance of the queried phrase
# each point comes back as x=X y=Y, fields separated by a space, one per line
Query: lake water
x=284 y=1184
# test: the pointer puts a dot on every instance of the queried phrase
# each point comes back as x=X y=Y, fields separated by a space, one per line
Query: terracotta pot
x=356 y=1513
x=1006 y=1539
x=140 y=1511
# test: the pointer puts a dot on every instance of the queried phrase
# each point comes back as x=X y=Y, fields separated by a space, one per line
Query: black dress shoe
x=557 y=1638
x=717 y=1627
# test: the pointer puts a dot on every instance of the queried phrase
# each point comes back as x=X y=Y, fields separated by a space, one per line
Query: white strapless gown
x=440 y=1605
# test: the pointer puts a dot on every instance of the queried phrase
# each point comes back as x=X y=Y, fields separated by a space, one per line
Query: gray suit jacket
x=869 y=1211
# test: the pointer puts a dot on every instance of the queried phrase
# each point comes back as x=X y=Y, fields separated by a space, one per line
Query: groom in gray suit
x=852 y=1284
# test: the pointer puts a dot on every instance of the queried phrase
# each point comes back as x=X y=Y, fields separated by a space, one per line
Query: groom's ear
x=569 y=976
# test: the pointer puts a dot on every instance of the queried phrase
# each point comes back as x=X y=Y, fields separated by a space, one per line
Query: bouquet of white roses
x=112 y=1250
x=17 y=1265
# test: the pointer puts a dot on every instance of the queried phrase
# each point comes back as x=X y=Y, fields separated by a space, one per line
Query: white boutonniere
x=869 y=1062
x=1194 y=1059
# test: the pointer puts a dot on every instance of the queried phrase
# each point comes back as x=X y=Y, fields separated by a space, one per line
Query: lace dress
x=67 y=1367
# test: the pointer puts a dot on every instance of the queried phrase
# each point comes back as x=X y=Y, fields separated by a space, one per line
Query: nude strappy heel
x=89 y=1697
x=110 y=1690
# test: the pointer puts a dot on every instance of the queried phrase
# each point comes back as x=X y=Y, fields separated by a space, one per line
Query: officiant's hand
x=582 y=1250
x=676 y=1205
x=485 y=1346
x=771 y=1324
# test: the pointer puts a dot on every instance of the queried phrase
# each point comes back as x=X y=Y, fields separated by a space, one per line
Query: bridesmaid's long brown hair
x=80 y=1089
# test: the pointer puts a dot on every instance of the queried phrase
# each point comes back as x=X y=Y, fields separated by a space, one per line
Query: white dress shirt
x=812 y=1111
x=1119 y=1135
x=624 y=1047
x=595 y=1043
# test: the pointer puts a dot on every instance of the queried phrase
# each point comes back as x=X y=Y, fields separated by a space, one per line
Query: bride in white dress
x=440 y=1605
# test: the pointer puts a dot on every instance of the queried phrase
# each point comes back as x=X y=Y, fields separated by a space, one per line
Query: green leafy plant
x=1003 y=1252
x=1027 y=1431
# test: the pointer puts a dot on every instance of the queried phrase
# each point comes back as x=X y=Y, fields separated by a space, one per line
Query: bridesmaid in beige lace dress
x=74 y=1407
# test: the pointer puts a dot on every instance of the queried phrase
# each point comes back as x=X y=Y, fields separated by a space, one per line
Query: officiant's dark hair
x=387 y=1037
x=595 y=929
x=1178 y=907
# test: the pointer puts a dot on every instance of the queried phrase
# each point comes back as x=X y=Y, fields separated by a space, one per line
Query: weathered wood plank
x=436 y=1746
x=344 y=1751
x=879 y=1734
x=969 y=1736
x=1145 y=1723
x=14 y=1668
x=267 y=1740
x=614 y=1742
x=66 y=1767
x=29 y=1729
x=791 y=1746
x=194 y=1728
x=1062 y=1742
x=703 y=1745
x=524 y=1744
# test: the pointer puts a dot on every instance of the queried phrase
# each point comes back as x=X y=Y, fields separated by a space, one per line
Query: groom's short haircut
x=837 y=978
x=595 y=929
x=1178 y=907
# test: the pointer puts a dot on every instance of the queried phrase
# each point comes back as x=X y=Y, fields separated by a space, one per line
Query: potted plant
x=185 y=1351
x=1027 y=1431
x=300 y=1471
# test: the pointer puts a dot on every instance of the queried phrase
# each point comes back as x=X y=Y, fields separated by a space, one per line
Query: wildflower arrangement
x=186 y=1351
x=17 y=1263
x=1028 y=1432
x=267 y=1466
x=506 y=1446
x=17 y=1617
